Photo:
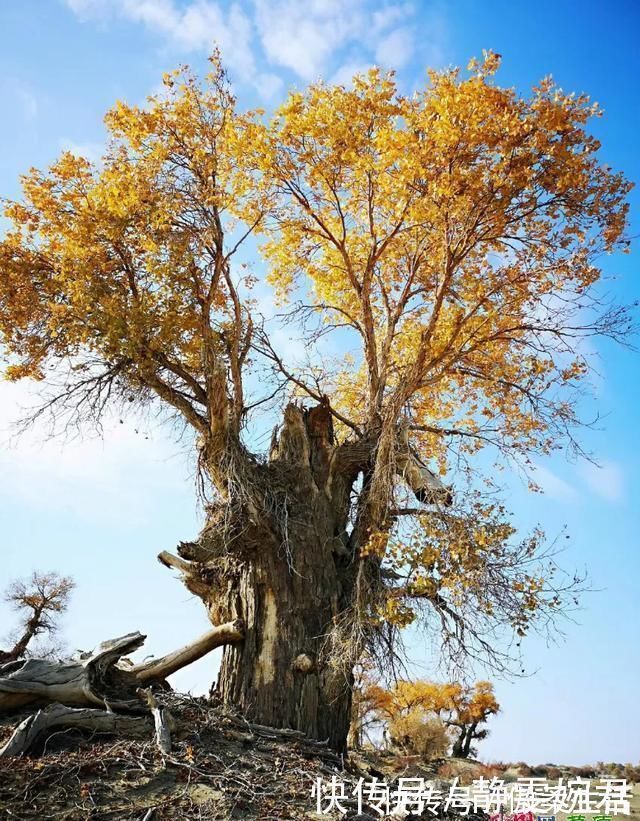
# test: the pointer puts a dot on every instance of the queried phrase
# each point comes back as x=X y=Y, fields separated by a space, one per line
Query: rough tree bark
x=466 y=749
x=292 y=588
x=279 y=554
x=456 y=750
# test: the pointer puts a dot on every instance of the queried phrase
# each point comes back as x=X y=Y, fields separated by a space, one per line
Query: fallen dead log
x=59 y=716
x=101 y=678
x=90 y=681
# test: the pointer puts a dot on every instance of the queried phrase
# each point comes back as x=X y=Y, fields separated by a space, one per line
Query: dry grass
x=220 y=768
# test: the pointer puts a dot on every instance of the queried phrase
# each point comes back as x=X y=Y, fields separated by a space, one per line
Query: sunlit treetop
x=125 y=263
x=457 y=232
x=411 y=708
x=452 y=701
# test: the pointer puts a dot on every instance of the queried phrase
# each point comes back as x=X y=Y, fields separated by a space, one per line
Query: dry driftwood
x=59 y=716
x=161 y=720
x=162 y=668
x=426 y=486
x=90 y=681
x=99 y=679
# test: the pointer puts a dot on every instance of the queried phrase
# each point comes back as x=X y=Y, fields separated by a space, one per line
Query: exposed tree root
x=58 y=716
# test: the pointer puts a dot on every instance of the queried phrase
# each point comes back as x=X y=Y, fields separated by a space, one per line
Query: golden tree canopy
x=448 y=240
x=449 y=700
x=425 y=716
x=455 y=232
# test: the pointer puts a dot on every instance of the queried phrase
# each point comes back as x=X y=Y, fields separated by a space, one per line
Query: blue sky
x=102 y=510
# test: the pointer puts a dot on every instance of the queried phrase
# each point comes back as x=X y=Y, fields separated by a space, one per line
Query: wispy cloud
x=605 y=480
x=28 y=102
x=553 y=485
x=302 y=37
x=434 y=40
x=196 y=26
x=347 y=71
x=91 y=151
x=395 y=49
x=21 y=97
x=306 y=38
x=261 y=38
x=91 y=478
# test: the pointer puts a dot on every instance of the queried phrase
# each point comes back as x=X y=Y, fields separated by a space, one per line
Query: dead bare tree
x=40 y=600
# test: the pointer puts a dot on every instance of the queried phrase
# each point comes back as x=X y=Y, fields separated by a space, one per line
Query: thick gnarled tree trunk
x=281 y=675
x=279 y=554
x=276 y=555
x=291 y=586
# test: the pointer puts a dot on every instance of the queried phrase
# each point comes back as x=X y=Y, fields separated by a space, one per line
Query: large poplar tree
x=447 y=241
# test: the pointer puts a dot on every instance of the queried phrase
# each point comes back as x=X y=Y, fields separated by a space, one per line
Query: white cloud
x=267 y=84
x=198 y=26
x=553 y=486
x=606 y=480
x=310 y=39
x=91 y=151
x=28 y=101
x=395 y=50
x=86 y=9
x=163 y=15
x=306 y=38
x=433 y=45
x=22 y=97
x=345 y=74
x=300 y=36
x=91 y=478
x=389 y=16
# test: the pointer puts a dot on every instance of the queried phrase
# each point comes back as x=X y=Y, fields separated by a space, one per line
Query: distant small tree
x=410 y=722
x=40 y=600
x=422 y=715
x=470 y=707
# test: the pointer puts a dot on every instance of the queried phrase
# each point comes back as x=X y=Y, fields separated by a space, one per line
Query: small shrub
x=416 y=733
x=540 y=771
x=584 y=772
x=489 y=771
